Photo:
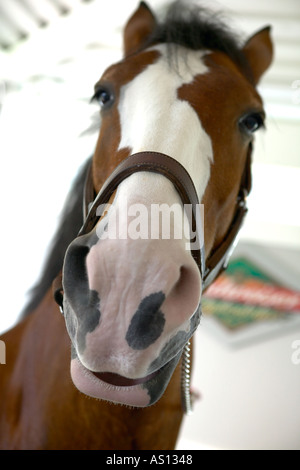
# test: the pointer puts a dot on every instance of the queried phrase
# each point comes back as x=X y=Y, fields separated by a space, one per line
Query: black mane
x=198 y=28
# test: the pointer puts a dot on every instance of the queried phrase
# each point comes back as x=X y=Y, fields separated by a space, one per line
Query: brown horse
x=178 y=115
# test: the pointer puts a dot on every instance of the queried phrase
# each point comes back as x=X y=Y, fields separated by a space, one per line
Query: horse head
x=184 y=89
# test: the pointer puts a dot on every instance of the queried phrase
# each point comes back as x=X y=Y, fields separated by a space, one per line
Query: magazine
x=247 y=303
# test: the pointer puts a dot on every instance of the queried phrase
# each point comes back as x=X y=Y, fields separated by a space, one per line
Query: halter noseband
x=170 y=168
x=167 y=166
x=154 y=162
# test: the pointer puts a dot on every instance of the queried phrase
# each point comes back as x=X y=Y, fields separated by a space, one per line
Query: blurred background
x=51 y=54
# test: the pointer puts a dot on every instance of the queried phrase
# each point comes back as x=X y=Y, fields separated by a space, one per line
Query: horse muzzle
x=130 y=307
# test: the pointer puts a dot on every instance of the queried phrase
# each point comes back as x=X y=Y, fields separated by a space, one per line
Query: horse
x=178 y=114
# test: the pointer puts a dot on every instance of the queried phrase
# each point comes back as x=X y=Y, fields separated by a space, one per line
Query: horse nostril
x=183 y=279
x=75 y=265
x=187 y=289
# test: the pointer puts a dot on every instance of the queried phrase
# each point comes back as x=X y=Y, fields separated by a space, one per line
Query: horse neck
x=43 y=410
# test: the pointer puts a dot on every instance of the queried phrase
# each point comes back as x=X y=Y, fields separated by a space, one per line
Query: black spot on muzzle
x=148 y=322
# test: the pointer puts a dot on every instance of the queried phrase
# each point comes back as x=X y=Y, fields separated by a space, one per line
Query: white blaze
x=153 y=118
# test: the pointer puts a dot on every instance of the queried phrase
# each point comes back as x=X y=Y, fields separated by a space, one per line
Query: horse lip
x=121 y=381
x=141 y=392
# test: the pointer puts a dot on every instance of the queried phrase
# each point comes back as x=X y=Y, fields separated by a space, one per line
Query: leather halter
x=167 y=166
x=144 y=161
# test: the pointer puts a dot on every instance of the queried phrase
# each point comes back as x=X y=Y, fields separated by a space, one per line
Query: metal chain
x=186 y=379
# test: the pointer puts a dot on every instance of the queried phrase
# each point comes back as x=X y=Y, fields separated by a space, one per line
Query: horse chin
x=141 y=392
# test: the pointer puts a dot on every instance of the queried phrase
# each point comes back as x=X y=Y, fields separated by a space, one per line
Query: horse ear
x=259 y=52
x=138 y=28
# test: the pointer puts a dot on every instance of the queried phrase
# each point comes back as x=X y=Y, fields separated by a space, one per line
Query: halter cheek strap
x=219 y=257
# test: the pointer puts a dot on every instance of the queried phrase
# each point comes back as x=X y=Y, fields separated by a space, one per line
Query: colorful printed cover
x=245 y=303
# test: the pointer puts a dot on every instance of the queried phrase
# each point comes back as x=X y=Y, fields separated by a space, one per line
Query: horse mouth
x=121 y=381
x=115 y=388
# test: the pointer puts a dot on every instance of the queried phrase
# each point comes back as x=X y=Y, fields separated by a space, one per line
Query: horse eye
x=251 y=123
x=104 y=97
